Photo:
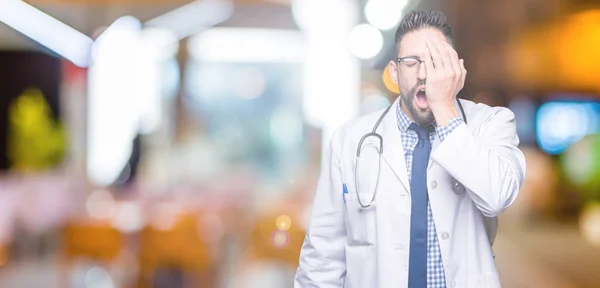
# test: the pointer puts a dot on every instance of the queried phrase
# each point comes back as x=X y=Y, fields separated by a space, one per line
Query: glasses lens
x=409 y=66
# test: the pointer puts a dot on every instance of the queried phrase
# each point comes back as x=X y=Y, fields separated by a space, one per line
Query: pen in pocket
x=344 y=192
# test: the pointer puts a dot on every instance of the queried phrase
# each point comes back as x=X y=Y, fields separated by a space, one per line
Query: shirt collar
x=403 y=120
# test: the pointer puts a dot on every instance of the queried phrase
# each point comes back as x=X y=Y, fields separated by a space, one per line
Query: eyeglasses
x=409 y=65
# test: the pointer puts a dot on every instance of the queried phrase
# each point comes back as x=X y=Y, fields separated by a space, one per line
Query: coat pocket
x=360 y=222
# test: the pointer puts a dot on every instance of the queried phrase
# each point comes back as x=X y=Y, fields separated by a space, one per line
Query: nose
x=422 y=73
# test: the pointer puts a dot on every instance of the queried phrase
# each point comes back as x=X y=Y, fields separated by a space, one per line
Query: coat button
x=445 y=236
x=458 y=188
x=433 y=184
x=399 y=246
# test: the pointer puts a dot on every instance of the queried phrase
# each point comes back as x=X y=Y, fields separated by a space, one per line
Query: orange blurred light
x=564 y=54
x=579 y=50
x=283 y=222
x=3 y=256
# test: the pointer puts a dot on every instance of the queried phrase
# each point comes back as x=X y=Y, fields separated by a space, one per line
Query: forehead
x=414 y=42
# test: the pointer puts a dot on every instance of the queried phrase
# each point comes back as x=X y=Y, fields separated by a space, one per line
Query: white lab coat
x=473 y=176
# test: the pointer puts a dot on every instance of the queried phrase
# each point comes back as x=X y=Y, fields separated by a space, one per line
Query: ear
x=393 y=70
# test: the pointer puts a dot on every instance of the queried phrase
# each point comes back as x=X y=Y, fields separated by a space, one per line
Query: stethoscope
x=380 y=151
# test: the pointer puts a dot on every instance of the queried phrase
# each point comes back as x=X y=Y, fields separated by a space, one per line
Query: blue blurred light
x=561 y=123
x=525 y=113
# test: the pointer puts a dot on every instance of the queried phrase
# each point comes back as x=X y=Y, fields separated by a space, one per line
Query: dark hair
x=416 y=20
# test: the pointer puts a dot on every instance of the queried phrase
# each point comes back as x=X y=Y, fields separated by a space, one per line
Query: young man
x=423 y=212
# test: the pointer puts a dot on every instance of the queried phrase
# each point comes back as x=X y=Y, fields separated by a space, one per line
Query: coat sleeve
x=489 y=165
x=322 y=258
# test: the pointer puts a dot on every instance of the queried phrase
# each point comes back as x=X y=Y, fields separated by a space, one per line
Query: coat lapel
x=393 y=152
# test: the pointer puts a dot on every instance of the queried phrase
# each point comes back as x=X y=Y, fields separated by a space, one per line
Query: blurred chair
x=178 y=251
x=95 y=241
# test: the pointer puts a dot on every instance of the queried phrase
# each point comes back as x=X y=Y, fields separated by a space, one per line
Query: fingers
x=448 y=55
x=442 y=57
x=428 y=61
x=436 y=55
x=463 y=71
x=452 y=59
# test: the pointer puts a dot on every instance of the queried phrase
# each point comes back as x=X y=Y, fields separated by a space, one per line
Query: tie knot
x=422 y=132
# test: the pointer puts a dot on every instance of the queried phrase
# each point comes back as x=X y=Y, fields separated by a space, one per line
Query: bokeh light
x=129 y=217
x=384 y=14
x=100 y=204
x=561 y=123
x=280 y=239
x=581 y=164
x=98 y=278
x=164 y=216
x=589 y=223
x=365 y=41
x=250 y=83
x=283 y=223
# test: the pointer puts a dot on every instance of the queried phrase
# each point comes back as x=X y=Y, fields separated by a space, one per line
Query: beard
x=421 y=116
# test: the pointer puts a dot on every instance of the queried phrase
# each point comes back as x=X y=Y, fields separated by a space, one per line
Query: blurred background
x=177 y=143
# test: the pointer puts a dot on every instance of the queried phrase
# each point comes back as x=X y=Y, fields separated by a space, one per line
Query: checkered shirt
x=436 y=277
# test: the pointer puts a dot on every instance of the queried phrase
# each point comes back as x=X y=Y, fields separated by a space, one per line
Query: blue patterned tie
x=417 y=269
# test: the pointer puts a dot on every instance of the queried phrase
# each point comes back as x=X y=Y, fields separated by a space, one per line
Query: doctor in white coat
x=423 y=212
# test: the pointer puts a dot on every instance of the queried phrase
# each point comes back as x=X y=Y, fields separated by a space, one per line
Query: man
x=424 y=213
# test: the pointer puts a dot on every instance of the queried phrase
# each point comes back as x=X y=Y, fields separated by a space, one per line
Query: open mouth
x=421 y=98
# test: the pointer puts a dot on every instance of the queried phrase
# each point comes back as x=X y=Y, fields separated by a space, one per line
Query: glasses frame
x=401 y=59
